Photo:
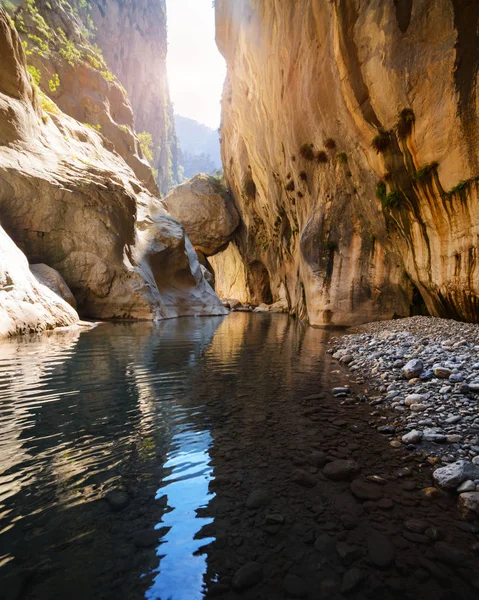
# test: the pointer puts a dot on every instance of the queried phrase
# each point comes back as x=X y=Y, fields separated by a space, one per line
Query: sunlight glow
x=196 y=69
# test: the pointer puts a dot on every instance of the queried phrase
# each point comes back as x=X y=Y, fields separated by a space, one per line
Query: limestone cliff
x=69 y=201
x=349 y=140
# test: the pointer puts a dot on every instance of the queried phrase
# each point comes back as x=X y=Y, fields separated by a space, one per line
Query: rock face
x=53 y=281
x=206 y=211
x=132 y=36
x=71 y=203
x=26 y=305
x=350 y=151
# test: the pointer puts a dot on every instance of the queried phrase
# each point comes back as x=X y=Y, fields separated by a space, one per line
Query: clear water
x=127 y=406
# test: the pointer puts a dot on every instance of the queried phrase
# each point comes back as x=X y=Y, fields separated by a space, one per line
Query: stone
x=449 y=554
x=324 y=544
x=451 y=476
x=338 y=470
x=351 y=580
x=118 y=500
x=416 y=525
x=258 y=499
x=348 y=553
x=345 y=360
x=467 y=486
x=469 y=504
x=433 y=434
x=304 y=479
x=206 y=211
x=294 y=586
x=442 y=372
x=412 y=437
x=247 y=576
x=413 y=368
x=362 y=490
x=418 y=407
x=380 y=550
x=415 y=399
x=317 y=459
x=340 y=392
x=146 y=538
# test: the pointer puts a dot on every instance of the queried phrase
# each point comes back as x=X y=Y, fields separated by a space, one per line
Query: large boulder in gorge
x=207 y=212
x=70 y=202
x=53 y=281
x=26 y=305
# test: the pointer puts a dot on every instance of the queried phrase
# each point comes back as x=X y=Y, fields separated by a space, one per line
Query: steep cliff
x=69 y=201
x=349 y=141
x=132 y=36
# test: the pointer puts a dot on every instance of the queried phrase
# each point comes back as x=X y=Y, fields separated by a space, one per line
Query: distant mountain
x=198 y=140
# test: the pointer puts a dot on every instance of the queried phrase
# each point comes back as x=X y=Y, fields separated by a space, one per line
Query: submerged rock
x=248 y=575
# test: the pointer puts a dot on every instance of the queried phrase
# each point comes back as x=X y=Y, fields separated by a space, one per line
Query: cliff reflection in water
x=141 y=408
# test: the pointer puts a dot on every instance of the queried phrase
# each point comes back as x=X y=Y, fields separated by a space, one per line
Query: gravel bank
x=427 y=370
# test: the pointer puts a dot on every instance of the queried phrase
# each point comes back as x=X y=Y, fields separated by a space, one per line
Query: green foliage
x=381 y=191
x=35 y=74
x=461 y=186
x=329 y=143
x=342 y=158
x=393 y=200
x=48 y=105
x=94 y=127
x=381 y=142
x=307 y=151
x=68 y=49
x=322 y=157
x=54 y=83
x=426 y=171
x=124 y=128
x=405 y=122
x=146 y=145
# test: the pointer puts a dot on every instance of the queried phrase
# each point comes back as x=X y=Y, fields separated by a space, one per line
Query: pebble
x=412 y=437
x=362 y=490
x=338 y=470
x=258 y=498
x=118 y=500
x=248 y=575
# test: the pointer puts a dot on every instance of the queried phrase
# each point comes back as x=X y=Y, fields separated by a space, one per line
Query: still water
x=132 y=408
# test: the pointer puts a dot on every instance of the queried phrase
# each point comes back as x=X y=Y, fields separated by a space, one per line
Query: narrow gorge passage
x=198 y=458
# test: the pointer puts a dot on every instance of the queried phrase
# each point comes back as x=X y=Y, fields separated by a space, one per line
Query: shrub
x=342 y=157
x=289 y=187
x=146 y=145
x=425 y=172
x=381 y=142
x=94 y=127
x=405 y=122
x=48 y=105
x=392 y=200
x=54 y=83
x=35 y=74
x=329 y=143
x=322 y=157
x=303 y=176
x=307 y=151
x=387 y=176
x=381 y=191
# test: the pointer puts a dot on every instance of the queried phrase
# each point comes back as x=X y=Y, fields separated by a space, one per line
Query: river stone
x=381 y=551
x=146 y=538
x=433 y=434
x=294 y=586
x=467 y=486
x=415 y=399
x=451 y=476
x=258 y=498
x=304 y=478
x=118 y=500
x=248 y=575
x=449 y=555
x=469 y=504
x=351 y=580
x=412 y=437
x=413 y=368
x=366 y=491
x=442 y=372
x=338 y=470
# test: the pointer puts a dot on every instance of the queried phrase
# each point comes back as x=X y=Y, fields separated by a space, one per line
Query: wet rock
x=146 y=538
x=416 y=525
x=442 y=372
x=317 y=459
x=469 y=504
x=348 y=553
x=451 y=476
x=118 y=500
x=362 y=490
x=294 y=586
x=413 y=368
x=338 y=470
x=449 y=554
x=274 y=519
x=248 y=575
x=324 y=544
x=341 y=392
x=351 y=580
x=305 y=479
x=380 y=550
x=259 y=498
x=467 y=486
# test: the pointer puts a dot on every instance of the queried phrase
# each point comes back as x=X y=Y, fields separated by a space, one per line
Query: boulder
x=413 y=368
x=54 y=281
x=26 y=305
x=206 y=211
x=451 y=476
x=469 y=504
x=338 y=470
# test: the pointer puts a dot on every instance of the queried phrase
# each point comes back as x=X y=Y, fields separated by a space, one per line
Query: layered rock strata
x=349 y=141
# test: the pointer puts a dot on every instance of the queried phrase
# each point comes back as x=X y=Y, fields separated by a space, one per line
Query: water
x=185 y=418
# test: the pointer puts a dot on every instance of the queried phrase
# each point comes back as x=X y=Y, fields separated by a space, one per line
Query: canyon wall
x=349 y=140
x=69 y=200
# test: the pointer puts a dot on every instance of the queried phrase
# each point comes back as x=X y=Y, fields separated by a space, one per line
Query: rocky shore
x=427 y=371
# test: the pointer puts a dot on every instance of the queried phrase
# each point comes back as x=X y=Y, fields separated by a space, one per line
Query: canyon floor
x=215 y=457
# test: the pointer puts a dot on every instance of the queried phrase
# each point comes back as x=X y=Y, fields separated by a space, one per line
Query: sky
x=196 y=69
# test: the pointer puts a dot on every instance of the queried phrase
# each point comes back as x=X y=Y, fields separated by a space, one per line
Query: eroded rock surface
x=26 y=305
x=348 y=140
x=71 y=203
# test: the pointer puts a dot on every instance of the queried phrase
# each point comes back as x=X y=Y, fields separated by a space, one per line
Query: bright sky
x=196 y=69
